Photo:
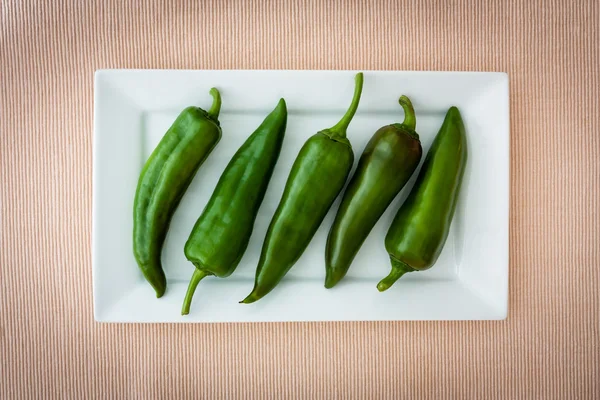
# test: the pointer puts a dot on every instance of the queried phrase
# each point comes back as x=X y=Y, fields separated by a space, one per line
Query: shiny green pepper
x=316 y=179
x=388 y=161
x=221 y=234
x=164 y=179
x=420 y=228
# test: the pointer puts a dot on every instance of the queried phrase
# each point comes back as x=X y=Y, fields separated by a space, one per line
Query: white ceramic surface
x=133 y=109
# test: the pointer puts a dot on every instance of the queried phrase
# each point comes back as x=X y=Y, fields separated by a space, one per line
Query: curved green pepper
x=163 y=181
x=316 y=179
x=221 y=234
x=420 y=228
x=388 y=161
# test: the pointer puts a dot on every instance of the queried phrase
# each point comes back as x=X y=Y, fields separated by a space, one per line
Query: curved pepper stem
x=341 y=127
x=398 y=269
x=187 y=301
x=410 y=120
x=215 y=108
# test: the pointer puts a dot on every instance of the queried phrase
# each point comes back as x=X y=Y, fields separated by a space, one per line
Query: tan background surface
x=549 y=347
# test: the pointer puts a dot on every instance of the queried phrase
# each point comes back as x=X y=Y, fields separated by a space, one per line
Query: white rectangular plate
x=134 y=108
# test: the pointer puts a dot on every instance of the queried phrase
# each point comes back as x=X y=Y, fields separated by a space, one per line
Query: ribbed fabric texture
x=548 y=348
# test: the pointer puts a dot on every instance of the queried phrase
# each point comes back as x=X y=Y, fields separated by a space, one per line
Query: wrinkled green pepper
x=316 y=179
x=165 y=178
x=388 y=161
x=221 y=234
x=419 y=230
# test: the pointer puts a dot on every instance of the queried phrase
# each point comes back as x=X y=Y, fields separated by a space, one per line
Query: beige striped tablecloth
x=548 y=348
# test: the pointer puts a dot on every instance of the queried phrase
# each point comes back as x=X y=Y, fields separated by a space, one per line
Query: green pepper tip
x=251 y=298
x=281 y=104
x=158 y=283
x=331 y=279
x=454 y=112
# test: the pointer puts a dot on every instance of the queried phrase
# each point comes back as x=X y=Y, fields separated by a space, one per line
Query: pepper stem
x=340 y=127
x=409 y=112
x=215 y=108
x=398 y=269
x=187 y=301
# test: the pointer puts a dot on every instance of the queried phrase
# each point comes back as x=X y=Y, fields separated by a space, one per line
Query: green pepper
x=420 y=228
x=221 y=234
x=316 y=179
x=165 y=178
x=388 y=161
